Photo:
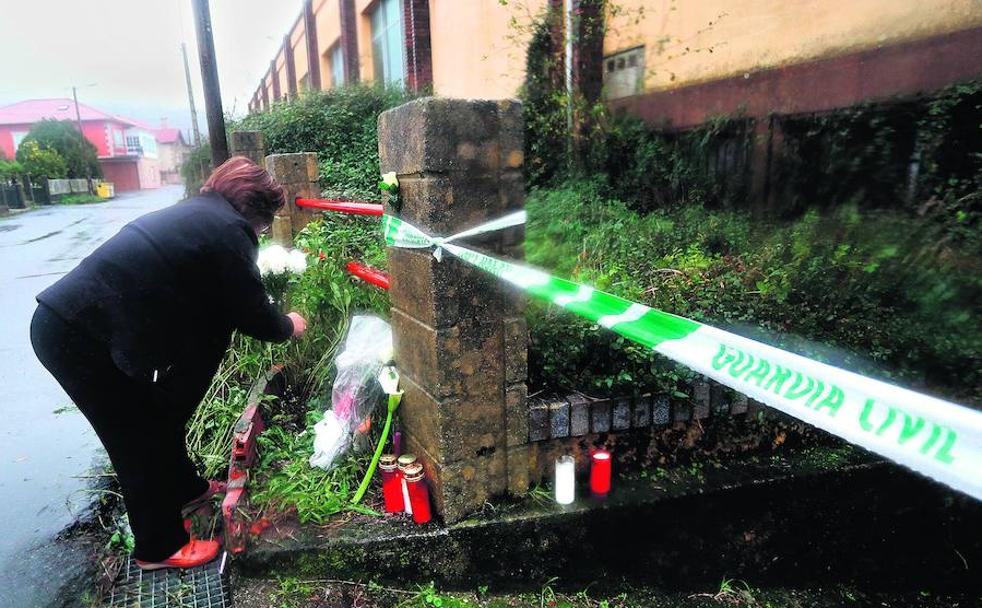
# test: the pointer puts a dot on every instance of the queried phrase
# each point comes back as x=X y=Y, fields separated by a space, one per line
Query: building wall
x=752 y=35
x=327 y=16
x=478 y=46
x=485 y=59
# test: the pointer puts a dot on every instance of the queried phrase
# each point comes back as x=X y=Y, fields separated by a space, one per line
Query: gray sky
x=131 y=50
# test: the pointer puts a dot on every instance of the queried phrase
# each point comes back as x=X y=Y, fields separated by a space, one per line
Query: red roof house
x=127 y=149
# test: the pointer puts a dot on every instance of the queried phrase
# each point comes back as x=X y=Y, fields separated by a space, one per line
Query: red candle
x=419 y=495
x=600 y=473
x=391 y=484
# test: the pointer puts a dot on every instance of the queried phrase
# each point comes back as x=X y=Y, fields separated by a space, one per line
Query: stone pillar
x=297 y=173
x=459 y=334
x=249 y=144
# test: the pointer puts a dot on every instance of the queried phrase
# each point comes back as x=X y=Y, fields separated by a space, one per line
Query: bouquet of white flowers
x=276 y=266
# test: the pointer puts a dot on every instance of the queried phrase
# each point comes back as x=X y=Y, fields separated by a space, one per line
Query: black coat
x=168 y=290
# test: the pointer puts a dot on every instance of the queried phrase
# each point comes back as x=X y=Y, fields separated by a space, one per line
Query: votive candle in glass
x=600 y=474
x=404 y=461
x=391 y=484
x=565 y=480
x=419 y=495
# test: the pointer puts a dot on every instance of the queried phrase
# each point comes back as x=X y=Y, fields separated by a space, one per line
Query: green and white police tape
x=940 y=439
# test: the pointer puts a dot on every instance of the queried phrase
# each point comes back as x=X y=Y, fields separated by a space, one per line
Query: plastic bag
x=356 y=392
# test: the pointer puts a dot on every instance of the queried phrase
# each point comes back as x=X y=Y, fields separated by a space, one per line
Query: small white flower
x=297 y=262
x=272 y=260
x=389 y=181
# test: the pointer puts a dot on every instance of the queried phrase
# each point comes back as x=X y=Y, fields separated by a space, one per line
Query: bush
x=340 y=125
x=195 y=169
x=63 y=137
x=873 y=291
x=40 y=163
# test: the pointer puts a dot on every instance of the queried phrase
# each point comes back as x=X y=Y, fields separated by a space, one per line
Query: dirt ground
x=294 y=593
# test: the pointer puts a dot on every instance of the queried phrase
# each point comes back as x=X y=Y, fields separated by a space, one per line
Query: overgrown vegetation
x=863 y=251
x=340 y=125
x=857 y=288
x=62 y=138
x=327 y=297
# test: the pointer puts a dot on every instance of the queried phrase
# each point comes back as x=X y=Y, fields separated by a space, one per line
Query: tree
x=9 y=169
x=63 y=137
x=41 y=162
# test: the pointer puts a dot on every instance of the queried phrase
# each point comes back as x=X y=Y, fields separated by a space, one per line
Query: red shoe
x=195 y=553
x=214 y=487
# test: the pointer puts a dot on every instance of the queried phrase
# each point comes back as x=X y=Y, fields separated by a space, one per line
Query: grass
x=78 y=199
x=327 y=296
x=289 y=592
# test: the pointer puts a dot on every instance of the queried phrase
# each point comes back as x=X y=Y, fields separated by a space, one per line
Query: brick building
x=670 y=62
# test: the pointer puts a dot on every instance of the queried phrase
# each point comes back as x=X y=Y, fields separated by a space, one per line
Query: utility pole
x=209 y=81
x=81 y=142
x=194 y=113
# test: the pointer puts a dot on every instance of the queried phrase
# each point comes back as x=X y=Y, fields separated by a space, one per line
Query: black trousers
x=141 y=424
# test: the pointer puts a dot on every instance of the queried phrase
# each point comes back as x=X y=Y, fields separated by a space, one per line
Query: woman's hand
x=299 y=324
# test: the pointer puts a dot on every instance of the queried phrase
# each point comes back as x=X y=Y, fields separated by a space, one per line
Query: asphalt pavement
x=47 y=448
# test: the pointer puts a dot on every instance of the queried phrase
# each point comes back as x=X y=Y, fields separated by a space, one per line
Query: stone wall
x=460 y=335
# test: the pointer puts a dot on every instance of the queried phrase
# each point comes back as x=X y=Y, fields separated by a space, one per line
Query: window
x=117 y=138
x=18 y=137
x=387 y=43
x=337 y=66
x=624 y=73
x=133 y=144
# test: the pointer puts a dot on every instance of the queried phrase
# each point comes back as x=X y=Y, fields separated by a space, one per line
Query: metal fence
x=11 y=196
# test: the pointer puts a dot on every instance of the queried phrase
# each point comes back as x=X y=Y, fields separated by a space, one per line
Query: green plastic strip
x=937 y=438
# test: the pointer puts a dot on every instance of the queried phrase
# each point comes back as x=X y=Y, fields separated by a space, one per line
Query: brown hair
x=248 y=187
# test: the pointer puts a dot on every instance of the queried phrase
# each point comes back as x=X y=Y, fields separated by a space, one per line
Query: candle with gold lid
x=404 y=461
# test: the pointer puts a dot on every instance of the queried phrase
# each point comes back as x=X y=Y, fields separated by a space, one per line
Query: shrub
x=340 y=125
x=64 y=138
x=866 y=290
x=40 y=162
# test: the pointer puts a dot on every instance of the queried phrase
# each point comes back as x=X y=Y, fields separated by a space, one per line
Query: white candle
x=565 y=480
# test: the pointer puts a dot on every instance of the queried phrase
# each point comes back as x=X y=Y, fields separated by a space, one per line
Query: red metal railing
x=369 y=274
x=350 y=207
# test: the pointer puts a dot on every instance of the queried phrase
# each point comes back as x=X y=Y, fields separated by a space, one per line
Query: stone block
x=538 y=421
x=516 y=415
x=579 y=415
x=700 y=400
x=621 y=414
x=516 y=349
x=449 y=430
x=439 y=135
x=458 y=489
x=440 y=205
x=681 y=410
x=600 y=416
x=558 y=419
x=442 y=294
x=519 y=469
x=739 y=403
x=641 y=414
x=293 y=169
x=250 y=144
x=463 y=362
x=719 y=401
x=661 y=410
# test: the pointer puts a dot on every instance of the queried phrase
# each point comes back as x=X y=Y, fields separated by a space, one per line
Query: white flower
x=272 y=260
x=389 y=181
x=297 y=262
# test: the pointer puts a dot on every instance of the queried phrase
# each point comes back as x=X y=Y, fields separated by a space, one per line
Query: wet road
x=46 y=448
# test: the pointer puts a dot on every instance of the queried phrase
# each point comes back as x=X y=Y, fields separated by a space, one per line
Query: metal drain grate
x=202 y=587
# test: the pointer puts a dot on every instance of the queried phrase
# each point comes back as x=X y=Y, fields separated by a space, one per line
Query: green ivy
x=340 y=125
